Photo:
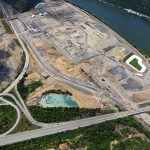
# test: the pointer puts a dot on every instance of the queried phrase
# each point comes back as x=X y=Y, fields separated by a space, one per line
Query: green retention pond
x=57 y=100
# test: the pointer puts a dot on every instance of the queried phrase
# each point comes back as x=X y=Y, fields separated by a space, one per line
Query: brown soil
x=83 y=100
x=142 y=96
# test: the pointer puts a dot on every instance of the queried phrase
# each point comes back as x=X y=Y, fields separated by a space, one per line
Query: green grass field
x=24 y=125
x=135 y=64
x=7 y=27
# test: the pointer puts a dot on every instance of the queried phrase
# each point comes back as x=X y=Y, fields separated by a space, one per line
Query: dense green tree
x=96 y=137
x=60 y=114
x=23 y=5
x=7 y=118
x=25 y=90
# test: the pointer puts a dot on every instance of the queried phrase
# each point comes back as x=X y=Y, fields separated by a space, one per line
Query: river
x=130 y=27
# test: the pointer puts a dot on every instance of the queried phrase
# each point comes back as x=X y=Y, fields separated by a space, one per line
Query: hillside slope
x=142 y=6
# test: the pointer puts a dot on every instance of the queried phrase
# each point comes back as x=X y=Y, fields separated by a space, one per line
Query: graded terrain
x=73 y=71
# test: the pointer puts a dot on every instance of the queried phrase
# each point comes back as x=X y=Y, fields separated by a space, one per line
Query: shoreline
x=112 y=30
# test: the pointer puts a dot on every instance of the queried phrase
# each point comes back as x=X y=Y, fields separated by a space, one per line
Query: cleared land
x=83 y=100
x=79 y=46
x=141 y=96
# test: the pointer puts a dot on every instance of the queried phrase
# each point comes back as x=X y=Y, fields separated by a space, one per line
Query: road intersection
x=48 y=129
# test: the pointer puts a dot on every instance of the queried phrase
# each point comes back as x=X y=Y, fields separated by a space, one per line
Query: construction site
x=78 y=46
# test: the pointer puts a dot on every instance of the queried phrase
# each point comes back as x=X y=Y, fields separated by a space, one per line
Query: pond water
x=58 y=100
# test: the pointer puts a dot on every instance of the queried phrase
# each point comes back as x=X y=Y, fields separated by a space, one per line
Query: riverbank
x=112 y=30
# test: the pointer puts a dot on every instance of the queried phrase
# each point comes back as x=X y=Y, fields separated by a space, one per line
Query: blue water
x=58 y=100
x=128 y=26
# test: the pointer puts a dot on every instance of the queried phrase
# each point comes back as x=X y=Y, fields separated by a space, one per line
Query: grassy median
x=7 y=27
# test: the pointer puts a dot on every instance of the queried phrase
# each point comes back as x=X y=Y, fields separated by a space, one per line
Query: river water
x=131 y=27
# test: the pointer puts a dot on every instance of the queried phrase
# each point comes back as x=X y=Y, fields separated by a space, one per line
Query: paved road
x=53 y=128
x=18 y=116
x=26 y=111
x=26 y=54
x=52 y=71
x=65 y=126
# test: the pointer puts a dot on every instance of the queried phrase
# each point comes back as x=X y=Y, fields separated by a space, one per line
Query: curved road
x=55 y=127
x=26 y=61
x=25 y=111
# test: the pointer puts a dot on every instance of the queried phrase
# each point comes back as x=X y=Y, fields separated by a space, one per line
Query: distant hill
x=23 y=5
x=142 y=6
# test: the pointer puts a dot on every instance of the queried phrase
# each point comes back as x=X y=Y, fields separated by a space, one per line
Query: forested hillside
x=22 y=5
x=142 y=6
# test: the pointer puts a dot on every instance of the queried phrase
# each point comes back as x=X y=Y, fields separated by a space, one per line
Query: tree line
x=8 y=117
x=62 y=114
x=25 y=90
x=96 y=137
x=22 y=5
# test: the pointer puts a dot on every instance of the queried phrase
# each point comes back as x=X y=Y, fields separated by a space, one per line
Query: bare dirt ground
x=35 y=73
x=61 y=64
x=79 y=46
x=83 y=100
x=142 y=96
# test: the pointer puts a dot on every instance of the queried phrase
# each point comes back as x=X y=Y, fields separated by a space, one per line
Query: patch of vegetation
x=8 y=117
x=144 y=104
x=17 y=42
x=1 y=14
x=23 y=60
x=57 y=92
x=26 y=90
x=127 y=57
x=9 y=99
x=135 y=64
x=96 y=137
x=7 y=27
x=126 y=132
x=133 y=144
x=13 y=92
x=23 y=5
x=60 y=114
x=24 y=125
